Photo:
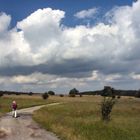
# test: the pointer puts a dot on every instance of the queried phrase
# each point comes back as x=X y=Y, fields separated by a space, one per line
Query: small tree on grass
x=73 y=92
x=109 y=100
x=51 y=92
x=1 y=94
x=17 y=93
x=137 y=94
x=30 y=93
x=80 y=94
x=61 y=95
x=45 y=96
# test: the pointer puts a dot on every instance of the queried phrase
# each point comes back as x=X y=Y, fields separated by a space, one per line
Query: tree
x=45 y=96
x=51 y=92
x=30 y=93
x=137 y=94
x=1 y=94
x=108 y=91
x=108 y=102
x=61 y=95
x=80 y=94
x=17 y=93
x=73 y=92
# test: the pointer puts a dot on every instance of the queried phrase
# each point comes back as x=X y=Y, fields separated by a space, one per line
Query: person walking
x=14 y=108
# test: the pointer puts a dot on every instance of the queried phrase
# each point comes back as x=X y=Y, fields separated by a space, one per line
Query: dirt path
x=23 y=127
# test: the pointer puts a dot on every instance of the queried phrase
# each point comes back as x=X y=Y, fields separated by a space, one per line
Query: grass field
x=23 y=101
x=79 y=119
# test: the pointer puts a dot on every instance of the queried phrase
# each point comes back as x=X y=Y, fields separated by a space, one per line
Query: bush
x=45 y=95
x=106 y=107
x=108 y=91
x=137 y=94
x=17 y=93
x=118 y=96
x=1 y=94
x=72 y=95
x=107 y=103
x=80 y=95
x=30 y=93
x=61 y=95
x=51 y=92
x=73 y=92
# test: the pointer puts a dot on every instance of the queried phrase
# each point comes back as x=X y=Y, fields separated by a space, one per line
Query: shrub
x=72 y=95
x=106 y=107
x=118 y=96
x=107 y=103
x=108 y=91
x=137 y=94
x=73 y=92
x=61 y=95
x=51 y=92
x=80 y=94
x=1 y=94
x=45 y=95
x=30 y=93
x=17 y=93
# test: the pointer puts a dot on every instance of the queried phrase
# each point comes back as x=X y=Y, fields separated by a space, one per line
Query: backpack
x=14 y=106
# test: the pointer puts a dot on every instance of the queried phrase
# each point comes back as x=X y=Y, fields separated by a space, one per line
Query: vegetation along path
x=23 y=127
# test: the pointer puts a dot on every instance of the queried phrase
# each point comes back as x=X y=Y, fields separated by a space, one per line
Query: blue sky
x=58 y=45
x=20 y=9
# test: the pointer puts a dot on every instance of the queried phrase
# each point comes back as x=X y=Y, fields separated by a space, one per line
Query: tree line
x=75 y=92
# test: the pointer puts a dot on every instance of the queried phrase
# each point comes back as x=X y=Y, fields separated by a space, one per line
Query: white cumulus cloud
x=89 y=13
x=82 y=55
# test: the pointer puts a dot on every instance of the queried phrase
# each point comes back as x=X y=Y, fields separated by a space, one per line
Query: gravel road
x=23 y=127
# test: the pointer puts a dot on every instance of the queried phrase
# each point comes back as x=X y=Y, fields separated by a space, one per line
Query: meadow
x=23 y=101
x=80 y=119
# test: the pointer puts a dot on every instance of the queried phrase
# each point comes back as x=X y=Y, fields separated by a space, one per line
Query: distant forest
x=117 y=92
x=97 y=92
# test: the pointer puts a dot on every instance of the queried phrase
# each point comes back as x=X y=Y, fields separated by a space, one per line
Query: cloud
x=41 y=27
x=4 y=22
x=90 y=13
x=85 y=56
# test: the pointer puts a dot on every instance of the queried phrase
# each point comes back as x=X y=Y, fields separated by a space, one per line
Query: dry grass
x=23 y=101
x=79 y=119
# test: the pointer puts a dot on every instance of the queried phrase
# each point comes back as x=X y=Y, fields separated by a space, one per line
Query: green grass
x=22 y=101
x=80 y=119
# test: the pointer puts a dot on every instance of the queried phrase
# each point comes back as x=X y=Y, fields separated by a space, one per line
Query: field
x=80 y=119
x=23 y=101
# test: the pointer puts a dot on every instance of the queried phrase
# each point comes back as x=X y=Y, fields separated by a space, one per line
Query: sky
x=59 y=45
